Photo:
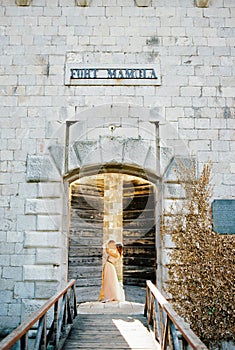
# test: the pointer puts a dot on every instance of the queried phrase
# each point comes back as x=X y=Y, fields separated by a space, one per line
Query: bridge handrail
x=166 y=322
x=67 y=314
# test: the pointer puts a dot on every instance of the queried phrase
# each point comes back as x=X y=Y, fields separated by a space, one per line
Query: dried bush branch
x=202 y=266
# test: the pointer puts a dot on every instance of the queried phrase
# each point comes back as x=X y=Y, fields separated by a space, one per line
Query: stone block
x=3 y=236
x=167 y=241
x=220 y=145
x=40 y=168
x=136 y=152
x=30 y=306
x=48 y=222
x=4 y=260
x=232 y=168
x=208 y=134
x=87 y=152
x=57 y=154
x=25 y=222
x=14 y=273
x=3 y=309
x=169 y=131
x=7 y=284
x=6 y=296
x=48 y=256
x=8 y=323
x=229 y=179
x=173 y=191
x=15 y=236
x=14 y=308
x=50 y=190
x=19 y=259
x=42 y=239
x=199 y=145
x=166 y=156
x=175 y=167
x=146 y=130
x=43 y=206
x=24 y=290
x=202 y=123
x=189 y=134
x=166 y=256
x=6 y=249
x=170 y=205
x=45 y=290
x=73 y=161
x=111 y=149
x=40 y=273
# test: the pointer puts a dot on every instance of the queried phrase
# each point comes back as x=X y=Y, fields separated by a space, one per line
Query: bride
x=111 y=290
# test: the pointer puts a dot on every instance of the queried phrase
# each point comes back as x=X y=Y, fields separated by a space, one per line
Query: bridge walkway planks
x=110 y=326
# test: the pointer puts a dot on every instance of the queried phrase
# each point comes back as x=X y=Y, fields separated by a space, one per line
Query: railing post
x=162 y=321
x=158 y=325
x=146 y=302
x=74 y=301
x=174 y=336
x=41 y=337
x=55 y=326
x=24 y=342
x=44 y=333
x=69 y=313
x=165 y=339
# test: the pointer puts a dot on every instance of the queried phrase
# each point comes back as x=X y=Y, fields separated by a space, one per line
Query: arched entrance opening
x=111 y=205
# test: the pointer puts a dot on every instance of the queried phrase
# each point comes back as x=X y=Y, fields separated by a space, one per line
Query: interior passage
x=95 y=217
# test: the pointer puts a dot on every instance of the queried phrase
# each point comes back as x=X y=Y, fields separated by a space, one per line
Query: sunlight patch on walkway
x=136 y=334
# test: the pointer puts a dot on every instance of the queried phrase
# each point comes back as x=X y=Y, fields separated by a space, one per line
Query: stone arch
x=121 y=137
x=113 y=142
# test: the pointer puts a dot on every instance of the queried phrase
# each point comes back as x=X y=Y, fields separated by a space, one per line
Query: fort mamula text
x=113 y=73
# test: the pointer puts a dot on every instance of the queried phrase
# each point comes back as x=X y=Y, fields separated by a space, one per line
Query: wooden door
x=139 y=232
x=86 y=238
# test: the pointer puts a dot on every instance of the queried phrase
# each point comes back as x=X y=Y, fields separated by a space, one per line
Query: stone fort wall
x=193 y=48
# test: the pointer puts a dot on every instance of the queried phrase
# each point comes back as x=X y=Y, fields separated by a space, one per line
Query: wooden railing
x=64 y=309
x=169 y=329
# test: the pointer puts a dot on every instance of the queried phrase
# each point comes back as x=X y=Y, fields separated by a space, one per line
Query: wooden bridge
x=95 y=325
x=110 y=326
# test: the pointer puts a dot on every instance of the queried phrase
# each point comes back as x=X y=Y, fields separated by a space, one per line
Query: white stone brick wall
x=195 y=47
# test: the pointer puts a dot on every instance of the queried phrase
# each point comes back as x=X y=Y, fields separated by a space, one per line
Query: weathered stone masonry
x=193 y=108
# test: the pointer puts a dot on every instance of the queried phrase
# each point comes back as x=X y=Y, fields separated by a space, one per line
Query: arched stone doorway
x=111 y=206
x=106 y=139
